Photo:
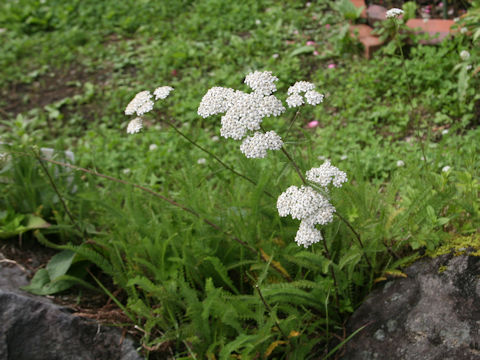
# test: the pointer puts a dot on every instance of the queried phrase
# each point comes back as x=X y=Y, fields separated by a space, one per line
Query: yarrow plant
x=242 y=120
x=394 y=13
x=141 y=104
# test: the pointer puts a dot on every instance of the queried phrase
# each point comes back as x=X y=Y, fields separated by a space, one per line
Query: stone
x=430 y=315
x=34 y=328
x=376 y=13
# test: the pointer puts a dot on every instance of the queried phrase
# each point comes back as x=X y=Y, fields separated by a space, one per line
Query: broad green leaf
x=60 y=263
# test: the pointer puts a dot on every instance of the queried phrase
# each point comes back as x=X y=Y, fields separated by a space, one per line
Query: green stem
x=357 y=235
x=270 y=312
x=215 y=157
x=54 y=186
x=410 y=98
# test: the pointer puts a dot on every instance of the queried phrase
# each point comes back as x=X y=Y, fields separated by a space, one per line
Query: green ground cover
x=225 y=278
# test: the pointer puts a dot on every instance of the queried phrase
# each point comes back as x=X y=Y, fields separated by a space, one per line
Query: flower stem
x=214 y=156
x=357 y=235
x=327 y=254
x=297 y=169
x=54 y=186
x=270 y=311
x=410 y=94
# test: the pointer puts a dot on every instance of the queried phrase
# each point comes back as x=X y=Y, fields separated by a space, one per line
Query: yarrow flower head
x=305 y=203
x=313 y=97
x=135 y=126
x=394 y=13
x=300 y=87
x=308 y=89
x=464 y=55
x=327 y=174
x=307 y=235
x=217 y=100
x=262 y=82
x=295 y=100
x=141 y=104
x=256 y=146
x=310 y=207
x=244 y=112
x=162 y=92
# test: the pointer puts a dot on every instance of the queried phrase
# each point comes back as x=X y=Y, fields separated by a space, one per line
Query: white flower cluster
x=394 y=13
x=327 y=174
x=162 y=92
x=308 y=205
x=262 y=82
x=464 y=55
x=295 y=98
x=141 y=104
x=244 y=112
x=217 y=100
x=256 y=146
x=135 y=125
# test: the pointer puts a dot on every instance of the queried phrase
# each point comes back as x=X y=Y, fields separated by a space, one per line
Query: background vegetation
x=69 y=68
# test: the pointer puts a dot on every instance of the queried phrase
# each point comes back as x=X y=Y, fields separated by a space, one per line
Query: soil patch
x=56 y=85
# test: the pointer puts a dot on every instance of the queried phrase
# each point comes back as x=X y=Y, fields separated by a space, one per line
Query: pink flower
x=312 y=124
x=316 y=53
x=332 y=66
x=327 y=26
x=310 y=43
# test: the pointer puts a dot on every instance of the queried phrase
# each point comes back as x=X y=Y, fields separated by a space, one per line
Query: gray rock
x=33 y=328
x=430 y=315
x=376 y=13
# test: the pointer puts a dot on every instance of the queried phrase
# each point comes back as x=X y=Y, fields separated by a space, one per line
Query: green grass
x=189 y=286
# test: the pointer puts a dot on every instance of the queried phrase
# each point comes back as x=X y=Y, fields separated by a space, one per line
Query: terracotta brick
x=361 y=30
x=359 y=4
x=437 y=28
x=371 y=43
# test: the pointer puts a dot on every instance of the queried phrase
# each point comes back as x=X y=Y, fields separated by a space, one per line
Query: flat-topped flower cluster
x=309 y=205
x=244 y=112
x=141 y=104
